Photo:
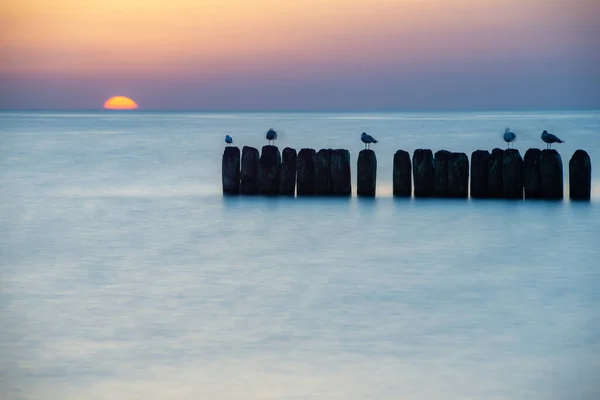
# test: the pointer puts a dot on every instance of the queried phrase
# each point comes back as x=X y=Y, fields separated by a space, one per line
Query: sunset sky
x=301 y=55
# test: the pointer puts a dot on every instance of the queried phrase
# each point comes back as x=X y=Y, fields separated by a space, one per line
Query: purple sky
x=501 y=55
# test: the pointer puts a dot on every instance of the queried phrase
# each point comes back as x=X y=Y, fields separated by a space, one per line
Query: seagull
x=549 y=138
x=367 y=139
x=271 y=135
x=509 y=136
x=228 y=140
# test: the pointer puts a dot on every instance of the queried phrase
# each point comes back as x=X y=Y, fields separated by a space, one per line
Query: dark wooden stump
x=341 y=181
x=402 y=175
x=531 y=174
x=323 y=172
x=440 y=161
x=287 y=174
x=269 y=167
x=230 y=171
x=512 y=174
x=249 y=173
x=495 y=187
x=551 y=172
x=458 y=176
x=480 y=170
x=366 y=173
x=307 y=159
x=423 y=172
x=580 y=176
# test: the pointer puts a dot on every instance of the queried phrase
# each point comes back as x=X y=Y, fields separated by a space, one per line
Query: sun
x=120 y=103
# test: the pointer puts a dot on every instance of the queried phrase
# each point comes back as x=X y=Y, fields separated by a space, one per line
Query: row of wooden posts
x=499 y=174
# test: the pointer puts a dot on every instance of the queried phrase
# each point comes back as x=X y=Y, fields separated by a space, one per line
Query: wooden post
x=551 y=172
x=287 y=174
x=230 y=171
x=307 y=158
x=480 y=170
x=341 y=182
x=440 y=161
x=402 y=175
x=580 y=176
x=249 y=174
x=366 y=173
x=268 y=170
x=458 y=176
x=512 y=174
x=531 y=174
x=323 y=172
x=423 y=172
x=495 y=187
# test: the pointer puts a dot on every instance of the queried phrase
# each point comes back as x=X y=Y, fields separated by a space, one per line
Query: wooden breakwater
x=499 y=174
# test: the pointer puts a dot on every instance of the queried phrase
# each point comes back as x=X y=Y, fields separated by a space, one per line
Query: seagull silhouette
x=549 y=138
x=509 y=136
x=367 y=139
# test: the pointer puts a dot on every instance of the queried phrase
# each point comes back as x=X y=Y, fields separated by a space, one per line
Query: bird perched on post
x=549 y=138
x=228 y=140
x=271 y=135
x=509 y=136
x=367 y=139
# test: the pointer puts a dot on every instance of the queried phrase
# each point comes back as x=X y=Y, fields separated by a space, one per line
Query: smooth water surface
x=124 y=273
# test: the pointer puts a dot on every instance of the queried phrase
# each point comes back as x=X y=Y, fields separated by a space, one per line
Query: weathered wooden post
x=402 y=174
x=230 y=171
x=531 y=174
x=512 y=174
x=495 y=187
x=341 y=182
x=440 y=186
x=305 y=180
x=458 y=176
x=268 y=170
x=366 y=173
x=323 y=172
x=580 y=176
x=249 y=173
x=287 y=175
x=551 y=172
x=480 y=166
x=423 y=172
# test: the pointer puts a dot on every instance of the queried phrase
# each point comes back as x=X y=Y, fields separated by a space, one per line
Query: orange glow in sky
x=120 y=103
x=250 y=53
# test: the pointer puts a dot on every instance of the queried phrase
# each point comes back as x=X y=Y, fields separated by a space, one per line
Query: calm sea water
x=124 y=273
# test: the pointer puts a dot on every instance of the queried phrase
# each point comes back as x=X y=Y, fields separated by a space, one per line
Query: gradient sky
x=301 y=55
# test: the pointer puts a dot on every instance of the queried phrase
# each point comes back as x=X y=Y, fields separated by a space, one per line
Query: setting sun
x=120 y=103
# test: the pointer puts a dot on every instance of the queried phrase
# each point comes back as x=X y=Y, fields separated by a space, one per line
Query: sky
x=308 y=55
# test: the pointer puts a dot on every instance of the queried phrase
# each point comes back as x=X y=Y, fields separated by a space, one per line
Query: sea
x=125 y=273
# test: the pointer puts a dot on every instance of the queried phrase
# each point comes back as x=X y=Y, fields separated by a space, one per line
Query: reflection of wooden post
x=580 y=176
x=307 y=158
x=287 y=174
x=423 y=172
x=366 y=173
x=531 y=174
x=230 y=171
x=268 y=170
x=323 y=172
x=480 y=166
x=402 y=175
x=458 y=176
x=249 y=174
x=512 y=174
x=551 y=172
x=341 y=183
x=495 y=189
